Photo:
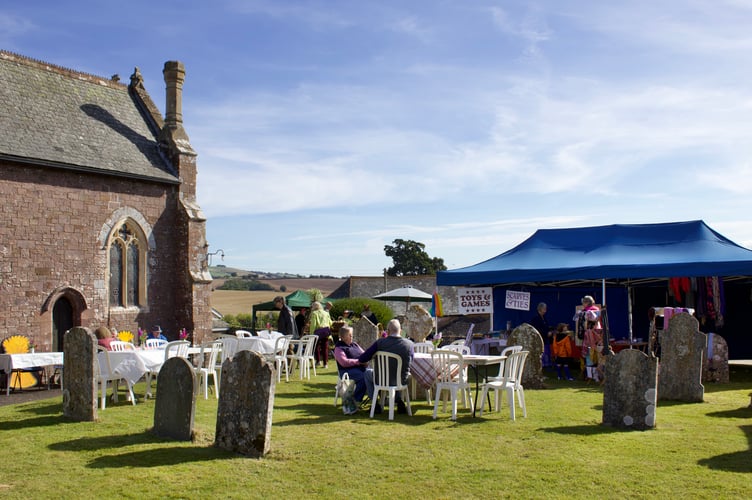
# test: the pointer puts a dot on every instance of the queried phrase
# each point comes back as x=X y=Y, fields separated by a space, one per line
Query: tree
x=410 y=259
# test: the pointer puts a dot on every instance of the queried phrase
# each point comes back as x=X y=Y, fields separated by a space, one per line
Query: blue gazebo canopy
x=615 y=252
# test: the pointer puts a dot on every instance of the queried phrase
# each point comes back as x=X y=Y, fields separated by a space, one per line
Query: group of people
x=563 y=348
x=105 y=335
x=353 y=360
x=319 y=323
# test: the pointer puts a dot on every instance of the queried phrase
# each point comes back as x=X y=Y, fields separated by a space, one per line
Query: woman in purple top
x=346 y=353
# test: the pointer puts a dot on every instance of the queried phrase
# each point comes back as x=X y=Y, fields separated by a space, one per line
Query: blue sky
x=326 y=129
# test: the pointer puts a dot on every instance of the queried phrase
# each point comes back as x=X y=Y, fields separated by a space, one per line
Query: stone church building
x=99 y=223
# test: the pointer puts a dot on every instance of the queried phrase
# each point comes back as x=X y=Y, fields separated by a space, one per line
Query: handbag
x=347 y=391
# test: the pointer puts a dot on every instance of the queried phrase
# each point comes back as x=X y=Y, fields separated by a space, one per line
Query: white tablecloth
x=10 y=362
x=269 y=334
x=132 y=365
x=257 y=344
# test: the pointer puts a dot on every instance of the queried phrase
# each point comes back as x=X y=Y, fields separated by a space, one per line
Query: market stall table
x=483 y=346
x=12 y=362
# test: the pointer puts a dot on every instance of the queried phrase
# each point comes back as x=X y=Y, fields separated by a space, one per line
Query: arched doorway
x=62 y=321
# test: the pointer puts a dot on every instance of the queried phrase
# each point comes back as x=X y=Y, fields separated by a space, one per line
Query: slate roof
x=62 y=118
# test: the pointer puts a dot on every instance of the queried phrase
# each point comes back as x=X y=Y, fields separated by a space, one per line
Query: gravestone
x=629 y=391
x=715 y=366
x=175 y=407
x=530 y=340
x=246 y=402
x=419 y=323
x=80 y=388
x=682 y=349
x=365 y=333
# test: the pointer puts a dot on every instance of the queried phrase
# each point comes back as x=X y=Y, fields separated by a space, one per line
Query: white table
x=10 y=362
x=132 y=365
x=257 y=344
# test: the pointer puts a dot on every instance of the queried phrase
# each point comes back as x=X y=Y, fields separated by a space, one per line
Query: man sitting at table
x=156 y=333
x=393 y=343
x=346 y=353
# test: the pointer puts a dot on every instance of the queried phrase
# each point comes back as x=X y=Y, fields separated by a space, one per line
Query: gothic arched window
x=127 y=265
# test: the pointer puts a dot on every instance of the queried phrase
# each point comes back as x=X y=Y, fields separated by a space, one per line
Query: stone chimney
x=174 y=75
x=172 y=133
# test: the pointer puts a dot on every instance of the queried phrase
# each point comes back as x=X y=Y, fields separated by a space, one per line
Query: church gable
x=59 y=117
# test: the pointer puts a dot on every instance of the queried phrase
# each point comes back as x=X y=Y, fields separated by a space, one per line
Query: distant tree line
x=244 y=284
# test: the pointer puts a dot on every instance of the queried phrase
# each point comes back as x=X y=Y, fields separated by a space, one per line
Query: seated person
x=394 y=343
x=104 y=337
x=156 y=333
x=346 y=353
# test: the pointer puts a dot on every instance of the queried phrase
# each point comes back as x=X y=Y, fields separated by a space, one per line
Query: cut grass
x=559 y=451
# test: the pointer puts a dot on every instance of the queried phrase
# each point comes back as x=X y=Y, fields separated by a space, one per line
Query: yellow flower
x=125 y=336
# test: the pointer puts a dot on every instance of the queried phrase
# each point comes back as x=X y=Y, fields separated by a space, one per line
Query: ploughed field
x=239 y=302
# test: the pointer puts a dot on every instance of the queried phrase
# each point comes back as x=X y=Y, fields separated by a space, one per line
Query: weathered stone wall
x=50 y=241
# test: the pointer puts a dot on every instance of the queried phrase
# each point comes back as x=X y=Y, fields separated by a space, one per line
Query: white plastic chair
x=104 y=374
x=176 y=348
x=460 y=348
x=210 y=351
x=119 y=345
x=229 y=348
x=451 y=375
x=155 y=343
x=387 y=368
x=243 y=334
x=511 y=383
x=505 y=352
x=279 y=356
x=304 y=355
x=425 y=348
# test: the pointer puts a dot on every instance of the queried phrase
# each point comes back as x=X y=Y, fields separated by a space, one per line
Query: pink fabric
x=668 y=312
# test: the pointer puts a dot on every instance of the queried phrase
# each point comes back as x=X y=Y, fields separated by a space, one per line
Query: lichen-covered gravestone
x=530 y=340
x=246 y=401
x=365 y=333
x=715 y=366
x=176 y=400
x=80 y=393
x=419 y=323
x=629 y=392
x=682 y=349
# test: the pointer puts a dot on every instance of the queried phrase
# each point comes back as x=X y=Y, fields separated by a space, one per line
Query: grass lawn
x=560 y=450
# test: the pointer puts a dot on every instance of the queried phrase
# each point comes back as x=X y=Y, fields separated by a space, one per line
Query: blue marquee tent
x=615 y=252
x=558 y=266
